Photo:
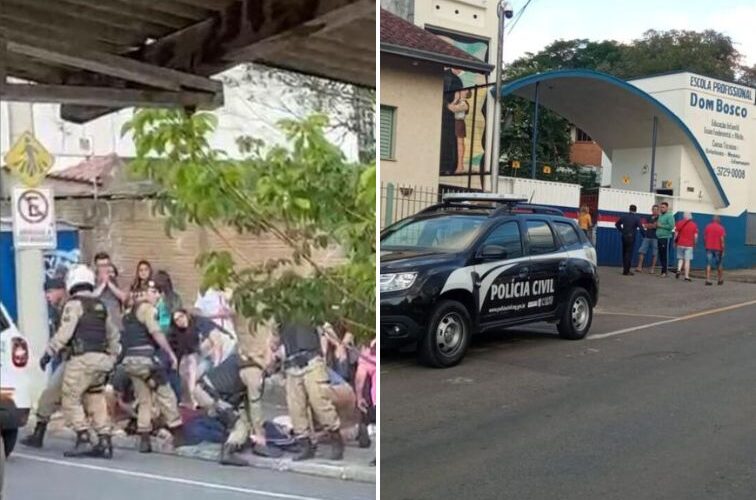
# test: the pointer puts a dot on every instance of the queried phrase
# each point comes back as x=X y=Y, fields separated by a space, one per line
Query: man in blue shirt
x=628 y=225
x=649 y=243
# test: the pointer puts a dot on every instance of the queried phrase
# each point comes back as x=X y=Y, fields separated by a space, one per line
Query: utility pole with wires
x=504 y=11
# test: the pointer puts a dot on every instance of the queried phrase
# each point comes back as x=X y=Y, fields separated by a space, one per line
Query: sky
x=547 y=20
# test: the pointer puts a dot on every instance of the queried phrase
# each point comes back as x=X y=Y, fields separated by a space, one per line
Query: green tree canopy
x=305 y=194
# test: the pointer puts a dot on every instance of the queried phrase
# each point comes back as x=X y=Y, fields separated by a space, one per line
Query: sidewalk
x=739 y=275
x=355 y=466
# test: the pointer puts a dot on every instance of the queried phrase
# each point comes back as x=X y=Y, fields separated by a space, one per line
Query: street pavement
x=44 y=474
x=658 y=403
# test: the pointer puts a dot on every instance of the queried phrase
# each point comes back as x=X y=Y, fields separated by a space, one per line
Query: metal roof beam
x=143 y=12
x=172 y=8
x=216 y=5
x=85 y=11
x=110 y=64
x=107 y=96
x=43 y=18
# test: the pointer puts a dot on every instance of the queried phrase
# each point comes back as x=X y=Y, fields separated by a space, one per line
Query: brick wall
x=585 y=153
x=129 y=232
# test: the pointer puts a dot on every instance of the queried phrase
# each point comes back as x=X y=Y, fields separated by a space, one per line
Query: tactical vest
x=225 y=377
x=300 y=339
x=91 y=334
x=135 y=333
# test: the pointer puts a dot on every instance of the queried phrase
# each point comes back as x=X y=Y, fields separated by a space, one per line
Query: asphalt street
x=33 y=475
x=658 y=403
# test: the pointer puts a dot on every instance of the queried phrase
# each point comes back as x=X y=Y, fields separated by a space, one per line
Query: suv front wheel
x=448 y=335
x=577 y=315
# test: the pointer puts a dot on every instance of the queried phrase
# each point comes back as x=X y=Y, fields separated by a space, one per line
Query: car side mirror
x=493 y=252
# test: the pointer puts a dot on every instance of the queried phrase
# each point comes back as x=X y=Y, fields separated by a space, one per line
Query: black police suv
x=479 y=262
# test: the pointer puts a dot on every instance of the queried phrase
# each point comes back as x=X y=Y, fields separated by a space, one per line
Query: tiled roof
x=400 y=34
x=91 y=170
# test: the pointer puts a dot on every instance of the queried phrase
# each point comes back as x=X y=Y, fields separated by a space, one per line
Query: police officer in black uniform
x=628 y=225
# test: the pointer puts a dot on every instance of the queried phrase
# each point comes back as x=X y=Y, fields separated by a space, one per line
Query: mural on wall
x=57 y=262
x=463 y=117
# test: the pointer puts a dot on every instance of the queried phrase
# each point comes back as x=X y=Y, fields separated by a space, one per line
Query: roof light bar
x=493 y=197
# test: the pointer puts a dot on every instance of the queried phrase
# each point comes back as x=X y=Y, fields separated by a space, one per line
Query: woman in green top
x=664 y=228
x=170 y=301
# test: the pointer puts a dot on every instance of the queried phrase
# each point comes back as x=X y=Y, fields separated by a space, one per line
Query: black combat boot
x=266 y=451
x=145 y=442
x=306 y=450
x=337 y=446
x=229 y=456
x=103 y=448
x=363 y=437
x=35 y=439
x=82 y=448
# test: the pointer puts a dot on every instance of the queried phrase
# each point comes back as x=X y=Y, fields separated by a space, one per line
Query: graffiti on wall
x=463 y=116
x=57 y=262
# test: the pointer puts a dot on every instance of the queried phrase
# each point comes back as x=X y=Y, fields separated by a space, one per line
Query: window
x=568 y=234
x=581 y=136
x=388 y=126
x=506 y=236
x=540 y=237
x=448 y=233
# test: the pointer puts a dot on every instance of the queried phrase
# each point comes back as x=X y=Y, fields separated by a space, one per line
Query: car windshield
x=447 y=233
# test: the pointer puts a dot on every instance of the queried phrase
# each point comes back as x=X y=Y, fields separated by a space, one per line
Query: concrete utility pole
x=504 y=11
x=30 y=268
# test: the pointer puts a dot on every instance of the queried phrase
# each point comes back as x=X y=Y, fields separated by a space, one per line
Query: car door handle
x=523 y=272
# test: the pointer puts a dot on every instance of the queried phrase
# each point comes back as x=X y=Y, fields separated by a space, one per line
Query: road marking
x=673 y=320
x=635 y=314
x=168 y=479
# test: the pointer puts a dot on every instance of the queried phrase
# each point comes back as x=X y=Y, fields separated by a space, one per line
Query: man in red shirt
x=687 y=236
x=714 y=240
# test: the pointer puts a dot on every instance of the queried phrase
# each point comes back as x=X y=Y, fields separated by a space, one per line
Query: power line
x=519 y=15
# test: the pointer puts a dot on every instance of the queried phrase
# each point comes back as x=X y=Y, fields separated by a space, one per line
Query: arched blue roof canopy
x=616 y=114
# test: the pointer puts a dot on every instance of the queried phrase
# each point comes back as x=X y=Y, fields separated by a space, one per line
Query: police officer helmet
x=80 y=277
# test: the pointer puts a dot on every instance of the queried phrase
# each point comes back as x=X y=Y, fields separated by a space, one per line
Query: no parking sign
x=34 y=219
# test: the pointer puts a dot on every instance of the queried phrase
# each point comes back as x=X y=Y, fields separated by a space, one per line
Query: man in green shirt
x=664 y=228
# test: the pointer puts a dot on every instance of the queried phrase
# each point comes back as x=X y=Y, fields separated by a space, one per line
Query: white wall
x=542 y=192
x=635 y=165
x=727 y=139
x=619 y=200
x=237 y=117
x=415 y=90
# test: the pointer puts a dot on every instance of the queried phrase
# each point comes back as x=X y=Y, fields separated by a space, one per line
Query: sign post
x=34 y=219
x=33 y=230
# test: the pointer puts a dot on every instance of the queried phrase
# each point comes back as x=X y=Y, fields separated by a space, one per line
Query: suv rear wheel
x=448 y=335
x=577 y=315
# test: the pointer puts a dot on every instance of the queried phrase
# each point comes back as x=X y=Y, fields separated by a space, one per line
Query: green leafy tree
x=305 y=194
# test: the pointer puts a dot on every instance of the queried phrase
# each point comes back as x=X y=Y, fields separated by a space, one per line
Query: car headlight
x=397 y=281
